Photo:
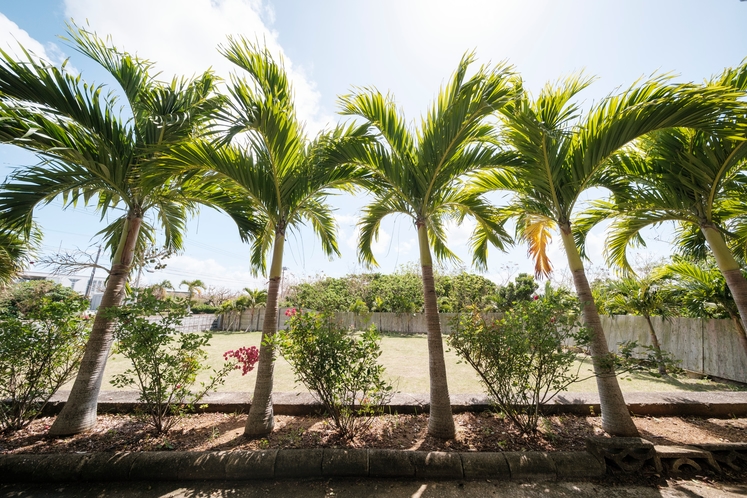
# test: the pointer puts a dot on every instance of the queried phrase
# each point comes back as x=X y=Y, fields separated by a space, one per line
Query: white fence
x=708 y=347
x=405 y=323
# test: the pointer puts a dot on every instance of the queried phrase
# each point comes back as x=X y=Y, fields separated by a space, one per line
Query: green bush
x=338 y=367
x=206 y=309
x=520 y=359
x=43 y=333
x=165 y=362
x=400 y=292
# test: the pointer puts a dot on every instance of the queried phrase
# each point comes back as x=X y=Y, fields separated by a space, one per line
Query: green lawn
x=406 y=362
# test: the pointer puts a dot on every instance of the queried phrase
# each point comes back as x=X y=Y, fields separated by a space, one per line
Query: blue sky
x=406 y=47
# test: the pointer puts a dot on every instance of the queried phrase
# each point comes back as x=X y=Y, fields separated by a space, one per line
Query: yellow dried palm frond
x=536 y=231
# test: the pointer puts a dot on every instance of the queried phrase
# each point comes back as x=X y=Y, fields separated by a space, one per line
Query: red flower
x=245 y=358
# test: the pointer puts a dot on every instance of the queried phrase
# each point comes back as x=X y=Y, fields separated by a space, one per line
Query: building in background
x=78 y=283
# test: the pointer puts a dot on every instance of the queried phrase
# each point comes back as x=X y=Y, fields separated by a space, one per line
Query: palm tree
x=646 y=297
x=562 y=154
x=159 y=289
x=284 y=177
x=231 y=310
x=193 y=287
x=420 y=173
x=256 y=298
x=16 y=253
x=88 y=152
x=694 y=178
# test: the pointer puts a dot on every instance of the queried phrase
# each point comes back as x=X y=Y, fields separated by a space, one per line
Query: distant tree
x=704 y=292
x=644 y=296
x=160 y=290
x=215 y=296
x=463 y=290
x=193 y=287
x=24 y=297
x=521 y=289
x=255 y=298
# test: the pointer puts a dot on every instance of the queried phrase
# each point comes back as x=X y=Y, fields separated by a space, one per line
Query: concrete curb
x=295 y=464
x=658 y=404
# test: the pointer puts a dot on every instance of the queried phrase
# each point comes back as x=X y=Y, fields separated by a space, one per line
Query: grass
x=406 y=360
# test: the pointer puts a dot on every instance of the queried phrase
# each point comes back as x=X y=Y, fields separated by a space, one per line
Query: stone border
x=294 y=464
x=704 y=404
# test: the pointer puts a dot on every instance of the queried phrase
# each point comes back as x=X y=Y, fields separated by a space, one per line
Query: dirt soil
x=475 y=432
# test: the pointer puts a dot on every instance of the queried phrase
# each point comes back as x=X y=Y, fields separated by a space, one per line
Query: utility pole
x=89 y=287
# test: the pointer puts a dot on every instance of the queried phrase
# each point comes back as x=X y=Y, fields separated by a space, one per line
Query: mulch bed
x=475 y=432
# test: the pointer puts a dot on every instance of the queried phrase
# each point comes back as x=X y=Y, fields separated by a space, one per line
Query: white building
x=78 y=283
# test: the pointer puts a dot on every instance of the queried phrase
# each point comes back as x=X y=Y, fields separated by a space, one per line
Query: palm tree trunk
x=79 y=412
x=616 y=418
x=732 y=274
x=440 y=419
x=657 y=347
x=260 y=420
x=251 y=321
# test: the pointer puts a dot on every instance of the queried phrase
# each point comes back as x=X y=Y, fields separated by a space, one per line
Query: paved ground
x=369 y=488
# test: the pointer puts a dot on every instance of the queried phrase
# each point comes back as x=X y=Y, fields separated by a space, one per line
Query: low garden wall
x=707 y=347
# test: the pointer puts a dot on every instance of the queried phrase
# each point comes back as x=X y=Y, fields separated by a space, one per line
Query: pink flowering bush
x=165 y=363
x=245 y=358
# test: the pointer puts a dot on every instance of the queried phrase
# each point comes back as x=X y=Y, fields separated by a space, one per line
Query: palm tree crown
x=421 y=172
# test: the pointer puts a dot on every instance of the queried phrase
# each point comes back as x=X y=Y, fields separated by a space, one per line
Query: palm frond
x=537 y=231
x=625 y=232
x=323 y=223
x=381 y=112
x=370 y=223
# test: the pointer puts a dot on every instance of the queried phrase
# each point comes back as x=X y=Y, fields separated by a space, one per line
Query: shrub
x=165 y=362
x=520 y=359
x=635 y=357
x=43 y=334
x=198 y=309
x=338 y=367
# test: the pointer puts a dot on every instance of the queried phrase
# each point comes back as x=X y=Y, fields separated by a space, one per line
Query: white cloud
x=11 y=36
x=182 y=36
x=458 y=234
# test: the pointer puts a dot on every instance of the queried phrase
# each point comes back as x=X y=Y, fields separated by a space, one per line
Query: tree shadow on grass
x=704 y=385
